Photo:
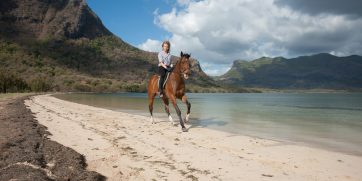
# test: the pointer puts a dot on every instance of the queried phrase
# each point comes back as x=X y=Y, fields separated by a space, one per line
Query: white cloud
x=217 y=32
x=183 y=2
x=150 y=45
x=215 y=69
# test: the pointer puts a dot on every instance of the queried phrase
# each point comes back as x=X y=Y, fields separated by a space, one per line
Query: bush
x=40 y=84
x=68 y=82
x=12 y=83
x=102 y=88
x=82 y=87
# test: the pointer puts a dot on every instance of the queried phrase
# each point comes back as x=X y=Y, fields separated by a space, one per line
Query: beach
x=26 y=152
x=124 y=146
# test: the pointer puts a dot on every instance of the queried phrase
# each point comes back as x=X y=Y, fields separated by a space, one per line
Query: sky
x=217 y=32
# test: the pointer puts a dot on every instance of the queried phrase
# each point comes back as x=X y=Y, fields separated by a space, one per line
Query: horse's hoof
x=184 y=130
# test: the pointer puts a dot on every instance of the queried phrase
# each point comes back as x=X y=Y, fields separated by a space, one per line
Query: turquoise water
x=328 y=120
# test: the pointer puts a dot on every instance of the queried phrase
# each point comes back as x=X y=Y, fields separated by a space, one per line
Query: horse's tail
x=152 y=91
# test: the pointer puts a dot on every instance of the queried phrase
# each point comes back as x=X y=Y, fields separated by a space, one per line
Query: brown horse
x=174 y=89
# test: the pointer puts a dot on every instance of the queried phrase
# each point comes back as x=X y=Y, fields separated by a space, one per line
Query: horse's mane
x=186 y=55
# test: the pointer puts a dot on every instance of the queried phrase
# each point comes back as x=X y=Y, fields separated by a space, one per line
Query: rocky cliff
x=49 y=19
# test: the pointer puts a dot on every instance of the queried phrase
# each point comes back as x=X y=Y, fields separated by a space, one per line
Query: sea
x=330 y=121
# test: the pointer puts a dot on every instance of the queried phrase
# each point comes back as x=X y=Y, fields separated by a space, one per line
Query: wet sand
x=26 y=152
x=122 y=146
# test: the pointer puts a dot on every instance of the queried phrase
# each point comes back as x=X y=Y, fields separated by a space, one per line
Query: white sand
x=123 y=146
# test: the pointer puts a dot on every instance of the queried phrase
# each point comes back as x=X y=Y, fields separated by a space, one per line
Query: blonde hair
x=169 y=45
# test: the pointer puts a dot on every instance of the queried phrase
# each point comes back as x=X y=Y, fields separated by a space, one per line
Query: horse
x=174 y=89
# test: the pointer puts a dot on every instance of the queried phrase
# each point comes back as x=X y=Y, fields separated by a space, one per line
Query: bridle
x=182 y=73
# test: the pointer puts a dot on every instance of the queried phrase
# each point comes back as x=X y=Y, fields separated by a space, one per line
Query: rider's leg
x=162 y=72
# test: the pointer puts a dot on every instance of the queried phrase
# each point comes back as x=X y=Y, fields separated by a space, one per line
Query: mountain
x=320 y=71
x=61 y=45
x=49 y=18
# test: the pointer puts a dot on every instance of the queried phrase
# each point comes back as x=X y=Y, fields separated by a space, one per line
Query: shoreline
x=316 y=143
x=125 y=146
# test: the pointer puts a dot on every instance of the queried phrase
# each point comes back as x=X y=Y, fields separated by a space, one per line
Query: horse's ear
x=182 y=54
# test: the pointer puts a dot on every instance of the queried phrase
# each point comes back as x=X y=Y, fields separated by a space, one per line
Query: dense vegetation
x=103 y=64
x=69 y=65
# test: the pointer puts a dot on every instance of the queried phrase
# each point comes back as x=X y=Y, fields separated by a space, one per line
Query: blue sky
x=217 y=32
x=132 y=20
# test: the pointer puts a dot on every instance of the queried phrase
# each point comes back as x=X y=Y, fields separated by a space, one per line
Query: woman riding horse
x=164 y=62
x=174 y=89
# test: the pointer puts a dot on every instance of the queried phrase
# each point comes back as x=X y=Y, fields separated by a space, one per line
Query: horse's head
x=185 y=64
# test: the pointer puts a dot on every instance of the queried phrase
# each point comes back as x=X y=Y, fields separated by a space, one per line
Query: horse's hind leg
x=151 y=98
x=188 y=104
x=167 y=109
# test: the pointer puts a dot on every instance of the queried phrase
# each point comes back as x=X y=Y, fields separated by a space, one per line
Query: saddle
x=168 y=72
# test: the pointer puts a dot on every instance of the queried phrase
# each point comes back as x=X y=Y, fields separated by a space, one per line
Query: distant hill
x=63 y=46
x=320 y=71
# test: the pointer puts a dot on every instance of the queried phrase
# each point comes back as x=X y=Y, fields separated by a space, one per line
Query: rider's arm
x=160 y=61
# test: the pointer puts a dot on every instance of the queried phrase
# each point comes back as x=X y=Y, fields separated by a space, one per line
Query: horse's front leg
x=173 y=100
x=188 y=104
x=167 y=109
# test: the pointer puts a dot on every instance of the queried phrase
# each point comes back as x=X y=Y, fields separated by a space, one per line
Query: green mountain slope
x=63 y=46
x=320 y=71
